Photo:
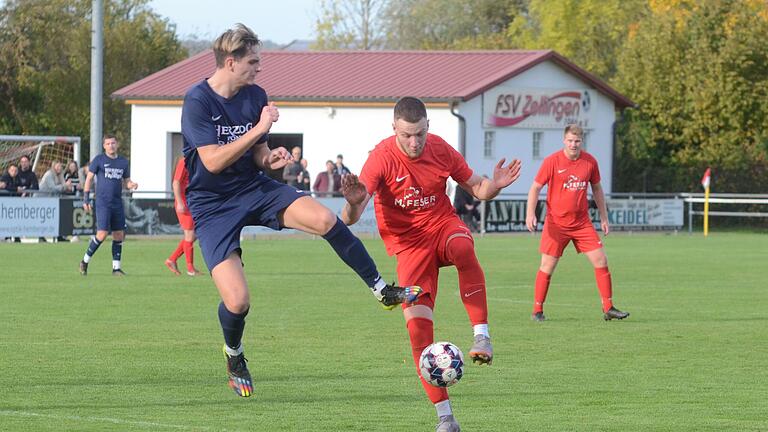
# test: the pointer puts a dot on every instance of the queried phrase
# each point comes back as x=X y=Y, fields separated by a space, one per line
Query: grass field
x=142 y=353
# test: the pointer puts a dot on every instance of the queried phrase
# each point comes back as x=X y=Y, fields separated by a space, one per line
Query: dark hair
x=108 y=136
x=410 y=109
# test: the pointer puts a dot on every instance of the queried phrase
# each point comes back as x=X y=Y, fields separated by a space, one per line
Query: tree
x=349 y=24
x=450 y=24
x=45 y=63
x=699 y=72
x=591 y=33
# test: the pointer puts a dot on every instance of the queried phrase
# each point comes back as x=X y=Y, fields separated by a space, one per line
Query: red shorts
x=420 y=265
x=555 y=238
x=186 y=222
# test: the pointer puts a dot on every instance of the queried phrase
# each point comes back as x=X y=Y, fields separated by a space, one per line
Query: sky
x=280 y=21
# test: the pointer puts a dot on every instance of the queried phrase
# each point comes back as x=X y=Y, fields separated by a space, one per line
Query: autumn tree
x=45 y=58
x=699 y=72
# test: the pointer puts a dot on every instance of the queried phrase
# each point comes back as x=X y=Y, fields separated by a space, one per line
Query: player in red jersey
x=567 y=173
x=186 y=246
x=418 y=224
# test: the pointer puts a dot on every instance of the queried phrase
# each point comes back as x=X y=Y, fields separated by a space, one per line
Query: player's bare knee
x=325 y=221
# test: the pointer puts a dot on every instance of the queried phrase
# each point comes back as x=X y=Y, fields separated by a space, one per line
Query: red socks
x=603 y=278
x=461 y=252
x=422 y=335
x=540 y=291
x=189 y=255
x=178 y=252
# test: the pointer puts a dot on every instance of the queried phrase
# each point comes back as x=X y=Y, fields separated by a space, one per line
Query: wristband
x=87 y=197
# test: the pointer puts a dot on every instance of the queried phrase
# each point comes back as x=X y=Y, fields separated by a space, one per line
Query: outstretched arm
x=503 y=176
x=357 y=197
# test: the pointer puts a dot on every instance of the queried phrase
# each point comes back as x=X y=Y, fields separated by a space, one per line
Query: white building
x=488 y=104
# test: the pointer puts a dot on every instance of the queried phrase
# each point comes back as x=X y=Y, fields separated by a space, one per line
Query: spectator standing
x=341 y=169
x=292 y=171
x=27 y=177
x=327 y=183
x=304 y=176
x=466 y=207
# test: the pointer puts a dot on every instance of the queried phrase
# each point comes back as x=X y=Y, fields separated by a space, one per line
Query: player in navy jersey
x=225 y=122
x=112 y=173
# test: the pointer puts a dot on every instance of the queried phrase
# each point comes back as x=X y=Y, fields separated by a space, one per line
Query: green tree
x=349 y=24
x=451 y=24
x=699 y=72
x=45 y=61
x=591 y=33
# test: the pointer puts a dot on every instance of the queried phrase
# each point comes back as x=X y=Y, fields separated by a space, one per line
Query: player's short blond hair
x=235 y=42
x=574 y=129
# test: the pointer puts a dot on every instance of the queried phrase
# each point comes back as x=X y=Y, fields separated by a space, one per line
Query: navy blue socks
x=351 y=250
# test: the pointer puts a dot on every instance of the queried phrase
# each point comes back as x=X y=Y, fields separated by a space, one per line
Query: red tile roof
x=367 y=75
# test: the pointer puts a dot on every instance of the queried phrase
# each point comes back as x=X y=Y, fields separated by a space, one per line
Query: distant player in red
x=408 y=174
x=186 y=246
x=567 y=173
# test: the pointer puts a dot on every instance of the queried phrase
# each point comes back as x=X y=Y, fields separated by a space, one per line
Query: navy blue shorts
x=110 y=217
x=218 y=224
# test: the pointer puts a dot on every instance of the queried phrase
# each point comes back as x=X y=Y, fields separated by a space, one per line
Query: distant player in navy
x=112 y=173
x=225 y=122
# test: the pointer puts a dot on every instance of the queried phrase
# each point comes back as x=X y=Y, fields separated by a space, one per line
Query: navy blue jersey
x=207 y=118
x=109 y=175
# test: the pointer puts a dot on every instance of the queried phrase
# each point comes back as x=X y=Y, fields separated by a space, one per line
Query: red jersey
x=567 y=183
x=182 y=176
x=410 y=198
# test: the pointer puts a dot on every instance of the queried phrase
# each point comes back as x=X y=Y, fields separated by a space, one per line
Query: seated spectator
x=11 y=181
x=53 y=183
x=340 y=168
x=303 y=178
x=75 y=178
x=293 y=169
x=327 y=183
x=27 y=177
x=467 y=207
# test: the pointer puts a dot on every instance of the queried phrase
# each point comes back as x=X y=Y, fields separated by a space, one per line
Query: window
x=537 y=145
x=489 y=144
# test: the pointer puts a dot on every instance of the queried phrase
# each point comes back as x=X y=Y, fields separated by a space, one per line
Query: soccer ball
x=441 y=364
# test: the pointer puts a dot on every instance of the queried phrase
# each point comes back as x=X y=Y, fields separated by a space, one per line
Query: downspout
x=462 y=128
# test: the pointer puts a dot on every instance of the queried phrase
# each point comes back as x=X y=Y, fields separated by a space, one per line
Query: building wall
x=327 y=131
x=354 y=130
x=514 y=142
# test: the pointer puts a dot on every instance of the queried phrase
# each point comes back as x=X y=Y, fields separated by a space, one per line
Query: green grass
x=142 y=353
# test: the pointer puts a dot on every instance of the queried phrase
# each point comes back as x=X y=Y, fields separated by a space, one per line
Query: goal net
x=41 y=150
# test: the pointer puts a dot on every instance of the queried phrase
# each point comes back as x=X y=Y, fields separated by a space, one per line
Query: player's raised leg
x=604 y=285
x=460 y=250
x=308 y=215
x=235 y=302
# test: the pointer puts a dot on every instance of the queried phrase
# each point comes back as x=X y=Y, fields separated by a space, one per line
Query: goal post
x=41 y=150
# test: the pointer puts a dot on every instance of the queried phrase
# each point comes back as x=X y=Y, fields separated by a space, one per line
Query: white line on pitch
x=105 y=420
